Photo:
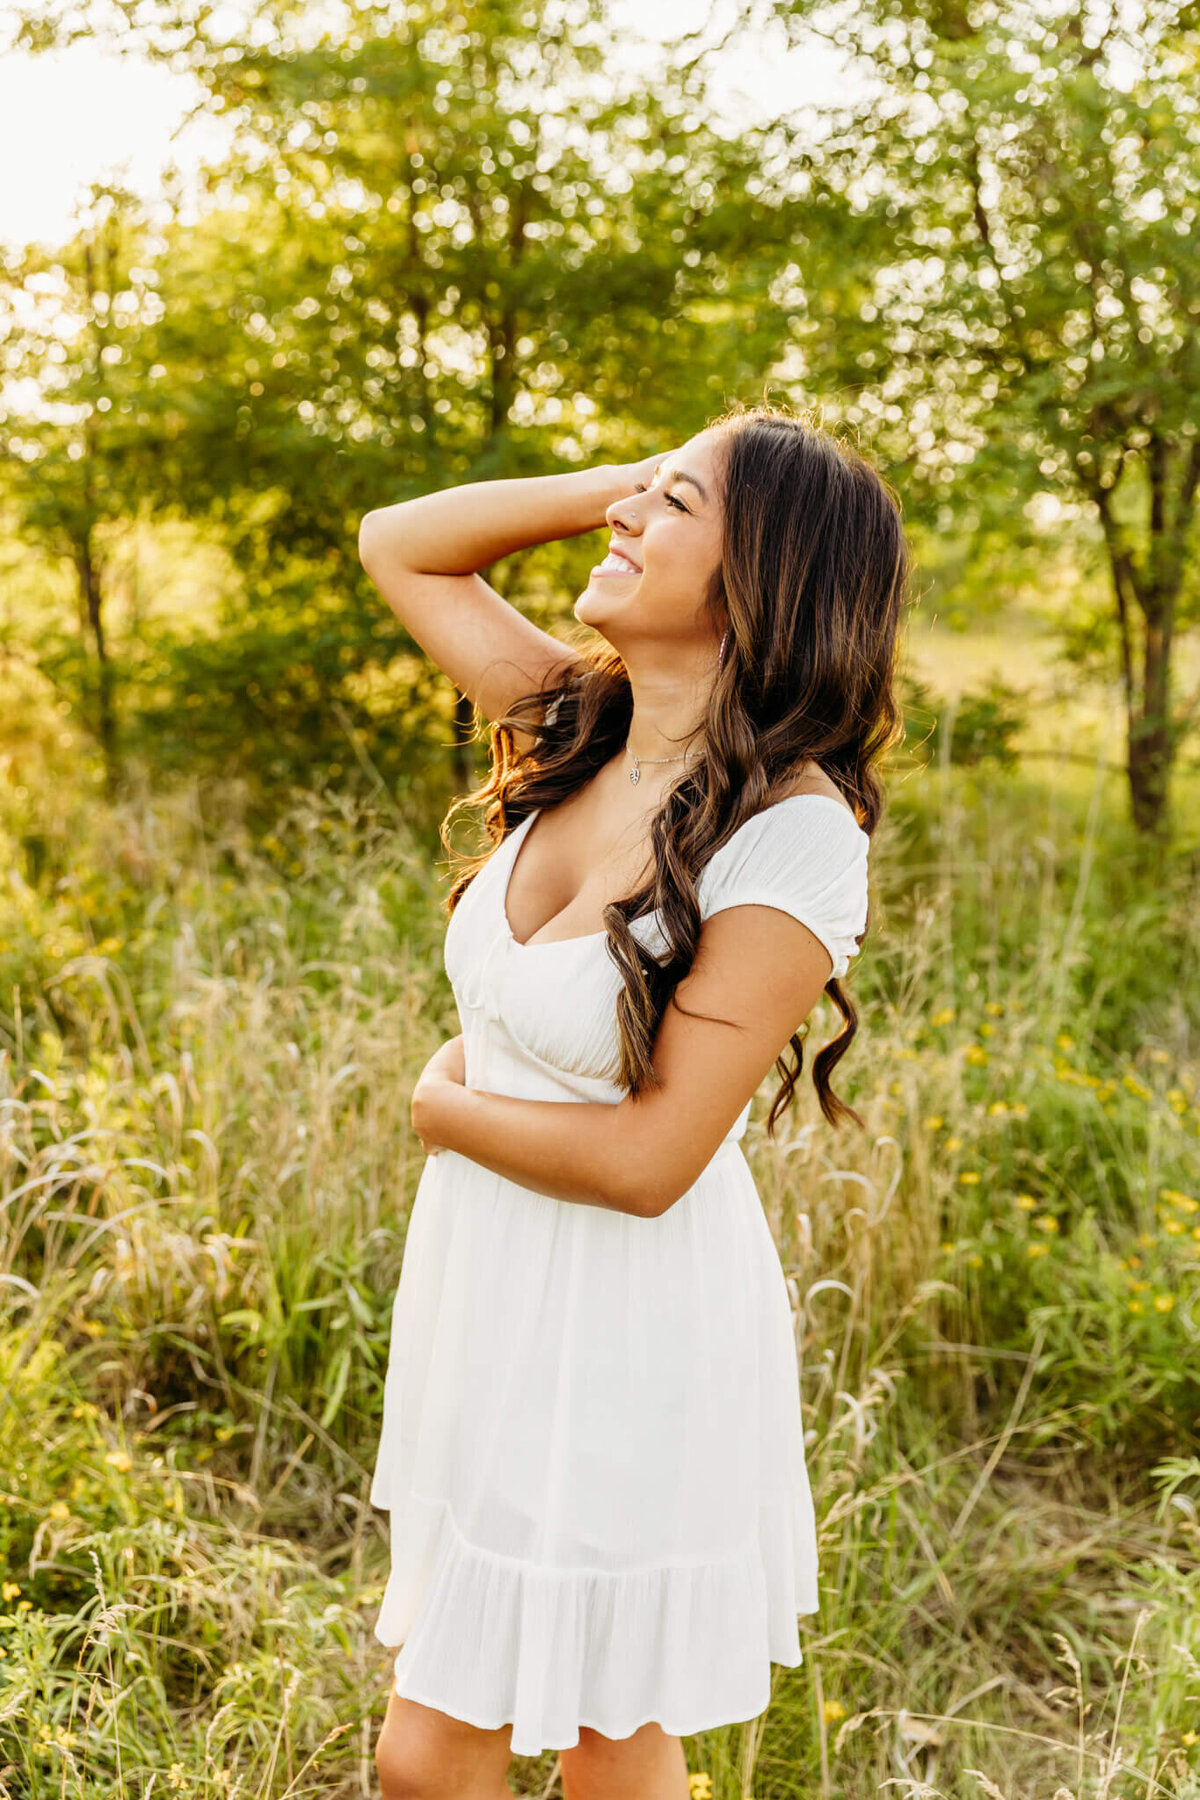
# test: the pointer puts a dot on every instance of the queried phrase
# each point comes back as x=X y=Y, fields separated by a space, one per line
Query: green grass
x=208 y=1043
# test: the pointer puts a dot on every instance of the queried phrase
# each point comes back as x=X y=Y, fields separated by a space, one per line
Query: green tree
x=444 y=247
x=78 y=420
x=1003 y=220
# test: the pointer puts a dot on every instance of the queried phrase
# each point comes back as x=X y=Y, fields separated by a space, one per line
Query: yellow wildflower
x=934 y=1122
x=119 y=1460
x=831 y=1710
x=997 y=1109
x=995 y=1007
x=1038 y=1249
x=1146 y=1239
x=700 y=1786
x=1163 y=1302
x=945 y=1017
x=954 y=1143
x=10 y=1590
x=975 y=1261
x=1019 y=1110
x=1026 y=1202
x=1046 y=1222
x=59 y=1512
x=1189 y=1738
x=986 y=1030
x=1135 y=1306
x=969 y=1178
x=175 y=1775
x=1173 y=1227
x=947 y=1249
x=976 y=1055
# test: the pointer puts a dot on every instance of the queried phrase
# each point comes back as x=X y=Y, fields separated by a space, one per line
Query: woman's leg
x=423 y=1754
x=650 y=1765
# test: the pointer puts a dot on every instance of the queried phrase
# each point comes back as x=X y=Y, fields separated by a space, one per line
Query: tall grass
x=209 y=1038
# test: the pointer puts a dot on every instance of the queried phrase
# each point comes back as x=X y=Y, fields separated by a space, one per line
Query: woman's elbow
x=646 y=1194
x=371 y=532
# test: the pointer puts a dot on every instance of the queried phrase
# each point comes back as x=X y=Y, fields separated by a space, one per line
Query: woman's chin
x=595 y=605
x=590 y=609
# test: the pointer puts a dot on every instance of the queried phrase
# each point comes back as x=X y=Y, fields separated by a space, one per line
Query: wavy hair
x=812 y=584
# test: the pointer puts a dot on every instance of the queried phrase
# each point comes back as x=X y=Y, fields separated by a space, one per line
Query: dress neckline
x=517 y=836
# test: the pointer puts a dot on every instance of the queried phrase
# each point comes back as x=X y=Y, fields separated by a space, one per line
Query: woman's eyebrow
x=682 y=475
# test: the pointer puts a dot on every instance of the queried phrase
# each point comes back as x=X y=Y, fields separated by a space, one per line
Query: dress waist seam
x=744 y=1551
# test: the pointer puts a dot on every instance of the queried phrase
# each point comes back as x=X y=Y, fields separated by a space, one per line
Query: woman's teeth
x=615 y=565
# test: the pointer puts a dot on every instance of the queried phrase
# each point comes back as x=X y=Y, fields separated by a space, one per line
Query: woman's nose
x=623 y=513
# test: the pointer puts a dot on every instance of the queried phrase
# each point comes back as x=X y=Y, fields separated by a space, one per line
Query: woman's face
x=670 y=537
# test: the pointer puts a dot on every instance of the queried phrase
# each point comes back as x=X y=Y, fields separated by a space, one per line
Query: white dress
x=592 y=1449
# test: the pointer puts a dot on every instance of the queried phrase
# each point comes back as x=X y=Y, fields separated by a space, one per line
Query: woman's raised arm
x=423 y=554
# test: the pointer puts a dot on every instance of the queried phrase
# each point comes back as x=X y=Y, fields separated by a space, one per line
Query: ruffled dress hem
x=548 y=1650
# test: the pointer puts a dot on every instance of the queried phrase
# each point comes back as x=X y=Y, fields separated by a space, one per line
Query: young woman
x=592 y=1449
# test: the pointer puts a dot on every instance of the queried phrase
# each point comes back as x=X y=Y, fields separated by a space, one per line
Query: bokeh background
x=265 y=267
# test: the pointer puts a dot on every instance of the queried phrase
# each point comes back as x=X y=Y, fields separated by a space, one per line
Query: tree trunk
x=1151 y=743
x=91 y=596
x=1153 y=588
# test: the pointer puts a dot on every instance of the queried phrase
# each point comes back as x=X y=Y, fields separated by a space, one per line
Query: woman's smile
x=616 y=563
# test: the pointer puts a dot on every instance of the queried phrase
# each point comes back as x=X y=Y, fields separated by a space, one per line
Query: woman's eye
x=640 y=488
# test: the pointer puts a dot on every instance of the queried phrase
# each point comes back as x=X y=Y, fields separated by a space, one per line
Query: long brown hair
x=812 y=584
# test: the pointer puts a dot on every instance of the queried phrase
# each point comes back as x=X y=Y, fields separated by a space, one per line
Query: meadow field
x=210 y=1020
x=411 y=246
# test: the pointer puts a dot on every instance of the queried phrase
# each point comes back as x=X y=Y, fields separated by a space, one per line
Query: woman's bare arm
x=758 y=974
x=423 y=554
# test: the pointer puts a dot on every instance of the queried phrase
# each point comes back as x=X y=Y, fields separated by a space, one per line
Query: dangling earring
x=721 y=651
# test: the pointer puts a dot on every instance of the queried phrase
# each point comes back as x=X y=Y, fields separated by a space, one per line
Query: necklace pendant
x=635 y=774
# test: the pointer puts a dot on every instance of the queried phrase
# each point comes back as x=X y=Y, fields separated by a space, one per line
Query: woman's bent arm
x=758 y=974
x=458 y=530
x=421 y=554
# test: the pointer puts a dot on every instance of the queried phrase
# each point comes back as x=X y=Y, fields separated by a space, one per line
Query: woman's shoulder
x=804 y=853
x=805 y=831
x=810 y=780
x=799 y=816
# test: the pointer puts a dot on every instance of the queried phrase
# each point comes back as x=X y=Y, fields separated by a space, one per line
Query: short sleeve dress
x=592 y=1449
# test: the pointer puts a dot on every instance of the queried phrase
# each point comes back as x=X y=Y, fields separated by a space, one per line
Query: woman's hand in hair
x=641 y=474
